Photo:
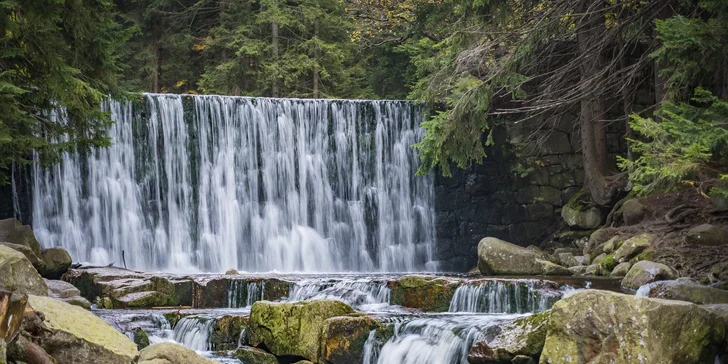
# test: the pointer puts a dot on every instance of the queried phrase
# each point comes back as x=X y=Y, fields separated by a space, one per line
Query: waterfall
x=194 y=332
x=356 y=293
x=210 y=183
x=243 y=293
x=505 y=296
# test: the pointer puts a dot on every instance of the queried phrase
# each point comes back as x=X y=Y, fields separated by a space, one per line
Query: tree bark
x=274 y=54
x=591 y=116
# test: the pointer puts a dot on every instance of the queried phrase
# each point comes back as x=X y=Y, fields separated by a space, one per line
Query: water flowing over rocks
x=524 y=337
x=605 y=327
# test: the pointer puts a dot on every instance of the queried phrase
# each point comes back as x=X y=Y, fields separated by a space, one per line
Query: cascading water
x=194 y=332
x=505 y=296
x=244 y=294
x=357 y=293
x=213 y=182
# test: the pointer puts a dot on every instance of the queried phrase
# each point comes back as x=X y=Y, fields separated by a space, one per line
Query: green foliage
x=683 y=143
x=55 y=55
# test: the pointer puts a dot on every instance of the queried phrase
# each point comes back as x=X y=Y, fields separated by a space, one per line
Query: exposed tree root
x=675 y=215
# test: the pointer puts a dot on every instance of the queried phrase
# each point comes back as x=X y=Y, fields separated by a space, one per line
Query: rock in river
x=524 y=337
x=647 y=272
x=684 y=290
x=18 y=275
x=497 y=257
x=171 y=353
x=595 y=326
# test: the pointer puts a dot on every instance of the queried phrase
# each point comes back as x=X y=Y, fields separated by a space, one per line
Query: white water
x=363 y=294
x=211 y=183
x=194 y=332
x=244 y=294
x=504 y=296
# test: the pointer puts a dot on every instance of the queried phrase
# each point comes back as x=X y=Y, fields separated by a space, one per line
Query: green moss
x=173 y=318
x=423 y=293
x=579 y=201
x=645 y=255
x=226 y=332
x=141 y=339
x=608 y=263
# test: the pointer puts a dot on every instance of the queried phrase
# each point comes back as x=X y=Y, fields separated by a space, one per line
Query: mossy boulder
x=525 y=336
x=633 y=246
x=35 y=260
x=56 y=261
x=595 y=326
x=568 y=260
x=582 y=218
x=608 y=263
x=12 y=231
x=708 y=235
x=685 y=290
x=598 y=238
x=293 y=329
x=343 y=339
x=633 y=212
x=17 y=274
x=141 y=339
x=425 y=293
x=226 y=332
x=78 y=336
x=645 y=272
x=251 y=355
x=621 y=270
x=498 y=257
x=613 y=244
x=143 y=299
x=171 y=353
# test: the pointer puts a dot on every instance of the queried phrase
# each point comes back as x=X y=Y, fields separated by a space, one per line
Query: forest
x=475 y=64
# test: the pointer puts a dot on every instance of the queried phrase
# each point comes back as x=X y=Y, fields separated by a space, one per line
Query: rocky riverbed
x=521 y=306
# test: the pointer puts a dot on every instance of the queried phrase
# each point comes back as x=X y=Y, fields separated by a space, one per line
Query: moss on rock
x=226 y=331
x=429 y=294
x=343 y=339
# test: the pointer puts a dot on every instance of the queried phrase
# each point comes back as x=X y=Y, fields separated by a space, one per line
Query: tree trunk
x=274 y=54
x=316 y=26
x=664 y=11
x=591 y=116
x=155 y=67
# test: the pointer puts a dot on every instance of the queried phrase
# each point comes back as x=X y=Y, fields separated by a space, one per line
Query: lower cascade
x=212 y=183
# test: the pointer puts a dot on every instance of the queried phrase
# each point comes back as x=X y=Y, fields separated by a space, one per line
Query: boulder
x=56 y=260
x=293 y=328
x=22 y=350
x=66 y=292
x=425 y=293
x=141 y=339
x=587 y=218
x=524 y=337
x=36 y=261
x=621 y=270
x=498 y=257
x=706 y=234
x=141 y=300
x=18 y=275
x=251 y=355
x=12 y=307
x=573 y=251
x=231 y=272
x=593 y=270
x=78 y=336
x=684 y=290
x=170 y=353
x=596 y=239
x=226 y=332
x=612 y=244
x=594 y=326
x=645 y=272
x=633 y=246
x=583 y=259
x=343 y=339
x=633 y=212
x=578 y=270
x=599 y=258
x=12 y=231
x=568 y=260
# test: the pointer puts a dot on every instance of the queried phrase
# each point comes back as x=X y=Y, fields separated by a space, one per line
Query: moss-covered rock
x=498 y=257
x=685 y=290
x=525 y=336
x=425 y=293
x=12 y=231
x=343 y=339
x=633 y=246
x=595 y=326
x=35 y=260
x=78 y=336
x=171 y=353
x=608 y=263
x=17 y=274
x=613 y=244
x=596 y=239
x=620 y=270
x=593 y=270
x=251 y=355
x=582 y=218
x=706 y=234
x=293 y=328
x=141 y=339
x=226 y=332
x=645 y=272
x=633 y=212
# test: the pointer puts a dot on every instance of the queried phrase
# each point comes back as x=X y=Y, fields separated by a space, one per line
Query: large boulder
x=585 y=218
x=35 y=260
x=66 y=292
x=621 y=270
x=293 y=329
x=633 y=246
x=645 y=272
x=12 y=307
x=598 y=238
x=524 y=337
x=498 y=257
x=343 y=339
x=12 y=231
x=633 y=212
x=251 y=355
x=57 y=261
x=18 y=275
x=684 y=290
x=425 y=293
x=707 y=234
x=170 y=353
x=78 y=336
x=595 y=326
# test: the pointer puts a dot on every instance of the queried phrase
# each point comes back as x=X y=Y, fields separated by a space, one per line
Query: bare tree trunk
x=274 y=54
x=316 y=26
x=591 y=116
